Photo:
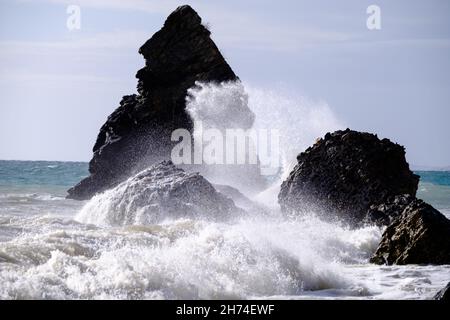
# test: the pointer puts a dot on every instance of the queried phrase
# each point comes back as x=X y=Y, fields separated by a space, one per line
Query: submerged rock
x=420 y=235
x=346 y=173
x=138 y=133
x=241 y=200
x=157 y=193
x=444 y=294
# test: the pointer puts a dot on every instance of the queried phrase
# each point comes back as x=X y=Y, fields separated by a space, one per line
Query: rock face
x=444 y=294
x=346 y=173
x=420 y=235
x=154 y=194
x=137 y=134
x=385 y=213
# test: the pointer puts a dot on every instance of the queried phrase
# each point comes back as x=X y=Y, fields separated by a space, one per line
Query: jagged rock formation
x=157 y=193
x=346 y=173
x=420 y=235
x=137 y=134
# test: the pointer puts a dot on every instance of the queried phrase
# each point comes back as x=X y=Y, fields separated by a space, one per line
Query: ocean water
x=48 y=252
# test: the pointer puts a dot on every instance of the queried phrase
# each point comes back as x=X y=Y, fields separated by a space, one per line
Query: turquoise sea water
x=434 y=188
x=441 y=178
x=56 y=177
x=41 y=174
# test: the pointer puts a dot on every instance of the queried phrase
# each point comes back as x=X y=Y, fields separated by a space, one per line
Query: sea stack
x=138 y=133
x=347 y=173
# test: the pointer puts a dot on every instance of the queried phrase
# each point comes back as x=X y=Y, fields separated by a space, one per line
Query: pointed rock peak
x=138 y=133
x=183 y=16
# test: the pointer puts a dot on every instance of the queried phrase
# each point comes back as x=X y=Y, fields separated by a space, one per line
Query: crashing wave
x=155 y=194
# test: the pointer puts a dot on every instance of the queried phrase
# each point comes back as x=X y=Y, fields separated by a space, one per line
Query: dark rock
x=420 y=235
x=157 y=193
x=444 y=294
x=385 y=213
x=137 y=134
x=346 y=173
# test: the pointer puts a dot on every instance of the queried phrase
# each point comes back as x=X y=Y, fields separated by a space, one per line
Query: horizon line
x=413 y=167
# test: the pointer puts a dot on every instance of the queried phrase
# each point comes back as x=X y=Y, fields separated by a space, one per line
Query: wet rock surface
x=420 y=235
x=160 y=192
x=385 y=213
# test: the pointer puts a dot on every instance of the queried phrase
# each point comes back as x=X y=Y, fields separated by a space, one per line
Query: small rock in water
x=157 y=193
x=345 y=174
x=240 y=199
x=420 y=235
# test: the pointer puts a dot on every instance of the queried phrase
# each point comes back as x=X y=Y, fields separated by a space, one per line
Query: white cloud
x=96 y=42
x=252 y=33
x=79 y=59
x=137 y=5
x=231 y=28
x=50 y=79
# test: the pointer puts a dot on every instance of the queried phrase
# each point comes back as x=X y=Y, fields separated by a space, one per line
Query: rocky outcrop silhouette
x=138 y=133
x=346 y=173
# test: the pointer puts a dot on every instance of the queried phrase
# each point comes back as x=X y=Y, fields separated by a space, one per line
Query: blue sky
x=58 y=86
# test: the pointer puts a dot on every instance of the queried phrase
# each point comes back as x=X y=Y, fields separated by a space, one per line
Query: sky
x=57 y=86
